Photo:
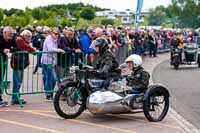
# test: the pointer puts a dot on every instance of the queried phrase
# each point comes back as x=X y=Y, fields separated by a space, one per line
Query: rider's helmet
x=100 y=43
x=135 y=59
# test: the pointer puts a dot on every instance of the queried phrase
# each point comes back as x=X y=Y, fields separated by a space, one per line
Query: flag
x=138 y=11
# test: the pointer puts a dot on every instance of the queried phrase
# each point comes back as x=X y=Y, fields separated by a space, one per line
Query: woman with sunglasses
x=49 y=61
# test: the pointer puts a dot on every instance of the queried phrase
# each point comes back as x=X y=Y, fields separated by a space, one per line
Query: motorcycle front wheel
x=156 y=105
x=69 y=101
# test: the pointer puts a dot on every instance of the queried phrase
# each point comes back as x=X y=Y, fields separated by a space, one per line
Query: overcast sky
x=110 y=4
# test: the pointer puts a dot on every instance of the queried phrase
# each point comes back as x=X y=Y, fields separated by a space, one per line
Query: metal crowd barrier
x=32 y=83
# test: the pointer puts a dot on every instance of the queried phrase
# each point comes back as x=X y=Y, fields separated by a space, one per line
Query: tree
x=39 y=13
x=1 y=15
x=63 y=22
x=88 y=13
x=107 y=21
x=185 y=13
x=157 y=16
x=75 y=6
x=51 y=15
x=13 y=11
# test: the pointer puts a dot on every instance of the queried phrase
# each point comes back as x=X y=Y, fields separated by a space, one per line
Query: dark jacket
x=152 y=40
x=37 y=40
x=11 y=44
x=139 y=79
x=137 y=39
x=107 y=65
x=69 y=48
x=5 y=45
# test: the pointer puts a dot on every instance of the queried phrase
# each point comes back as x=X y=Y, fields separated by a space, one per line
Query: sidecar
x=154 y=102
x=108 y=97
x=191 y=54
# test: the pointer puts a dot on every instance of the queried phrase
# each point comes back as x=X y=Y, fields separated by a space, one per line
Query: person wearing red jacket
x=19 y=61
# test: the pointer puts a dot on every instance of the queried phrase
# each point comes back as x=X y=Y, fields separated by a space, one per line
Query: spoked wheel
x=156 y=105
x=69 y=101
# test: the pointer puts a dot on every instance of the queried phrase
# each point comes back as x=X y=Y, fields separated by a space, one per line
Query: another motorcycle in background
x=189 y=55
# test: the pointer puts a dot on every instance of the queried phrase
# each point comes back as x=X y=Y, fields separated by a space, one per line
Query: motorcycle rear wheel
x=69 y=101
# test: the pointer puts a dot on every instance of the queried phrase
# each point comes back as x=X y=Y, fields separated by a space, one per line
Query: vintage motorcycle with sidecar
x=190 y=55
x=83 y=91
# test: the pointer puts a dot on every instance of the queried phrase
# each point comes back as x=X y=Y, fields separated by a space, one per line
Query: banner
x=138 y=12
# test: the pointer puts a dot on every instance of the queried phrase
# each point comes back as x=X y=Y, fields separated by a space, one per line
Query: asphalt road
x=184 y=86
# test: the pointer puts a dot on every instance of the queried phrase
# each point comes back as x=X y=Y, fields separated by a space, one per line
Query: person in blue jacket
x=85 y=42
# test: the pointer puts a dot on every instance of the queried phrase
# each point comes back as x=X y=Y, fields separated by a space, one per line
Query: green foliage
x=39 y=13
x=16 y=21
x=1 y=15
x=88 y=13
x=82 y=23
x=184 y=13
x=157 y=16
x=75 y=6
x=51 y=15
x=145 y=23
x=13 y=11
x=63 y=22
x=48 y=22
x=107 y=21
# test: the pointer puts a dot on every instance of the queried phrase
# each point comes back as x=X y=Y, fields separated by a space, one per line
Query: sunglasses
x=56 y=34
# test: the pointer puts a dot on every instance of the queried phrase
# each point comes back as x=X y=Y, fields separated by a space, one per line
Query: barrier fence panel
x=22 y=76
x=2 y=71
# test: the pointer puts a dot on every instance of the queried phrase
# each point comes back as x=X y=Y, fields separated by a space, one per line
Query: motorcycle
x=82 y=90
x=191 y=55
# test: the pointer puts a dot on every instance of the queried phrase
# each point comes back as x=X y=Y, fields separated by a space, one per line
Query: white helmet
x=136 y=59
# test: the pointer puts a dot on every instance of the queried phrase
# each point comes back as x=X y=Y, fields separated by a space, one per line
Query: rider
x=139 y=78
x=177 y=42
x=105 y=63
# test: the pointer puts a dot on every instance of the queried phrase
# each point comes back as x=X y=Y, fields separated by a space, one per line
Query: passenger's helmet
x=100 y=42
x=136 y=59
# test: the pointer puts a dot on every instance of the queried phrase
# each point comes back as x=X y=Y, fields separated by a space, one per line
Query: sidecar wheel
x=156 y=105
x=69 y=101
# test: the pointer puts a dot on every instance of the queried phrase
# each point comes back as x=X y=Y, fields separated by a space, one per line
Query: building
x=127 y=20
x=127 y=16
x=111 y=13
